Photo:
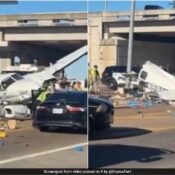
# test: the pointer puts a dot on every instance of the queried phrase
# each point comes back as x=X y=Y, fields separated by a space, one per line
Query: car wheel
x=43 y=128
x=112 y=84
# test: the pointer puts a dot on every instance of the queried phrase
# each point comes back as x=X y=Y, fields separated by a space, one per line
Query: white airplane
x=158 y=80
x=48 y=73
x=16 y=89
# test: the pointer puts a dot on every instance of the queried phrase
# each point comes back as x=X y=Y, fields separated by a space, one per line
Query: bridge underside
x=154 y=42
x=46 y=43
x=45 y=52
x=158 y=31
x=161 y=37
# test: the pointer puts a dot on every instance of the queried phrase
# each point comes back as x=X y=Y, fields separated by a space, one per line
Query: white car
x=120 y=80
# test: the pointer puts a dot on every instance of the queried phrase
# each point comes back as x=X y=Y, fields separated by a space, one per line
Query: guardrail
x=139 y=15
x=78 y=19
x=66 y=19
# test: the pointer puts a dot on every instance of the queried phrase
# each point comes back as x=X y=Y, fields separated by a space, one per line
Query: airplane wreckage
x=158 y=80
x=16 y=90
x=153 y=82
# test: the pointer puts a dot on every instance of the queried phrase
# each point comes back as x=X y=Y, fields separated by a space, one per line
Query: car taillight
x=42 y=108
x=74 y=109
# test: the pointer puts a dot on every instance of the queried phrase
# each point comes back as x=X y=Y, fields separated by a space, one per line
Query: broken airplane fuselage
x=158 y=80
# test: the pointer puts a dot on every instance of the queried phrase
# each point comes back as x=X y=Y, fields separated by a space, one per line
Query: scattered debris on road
x=79 y=149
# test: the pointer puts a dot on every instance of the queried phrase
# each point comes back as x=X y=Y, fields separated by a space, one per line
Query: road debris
x=3 y=134
x=2 y=142
x=11 y=124
x=79 y=149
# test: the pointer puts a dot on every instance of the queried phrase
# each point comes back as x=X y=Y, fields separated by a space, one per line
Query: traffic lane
x=157 y=110
x=74 y=157
x=24 y=142
x=143 y=151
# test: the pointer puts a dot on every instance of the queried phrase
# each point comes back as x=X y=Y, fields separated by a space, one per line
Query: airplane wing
x=67 y=60
x=39 y=77
x=62 y=63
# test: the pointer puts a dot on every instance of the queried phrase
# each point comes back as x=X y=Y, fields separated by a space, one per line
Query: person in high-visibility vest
x=90 y=78
x=95 y=78
x=43 y=95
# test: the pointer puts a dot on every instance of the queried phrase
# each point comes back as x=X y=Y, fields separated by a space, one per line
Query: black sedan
x=69 y=109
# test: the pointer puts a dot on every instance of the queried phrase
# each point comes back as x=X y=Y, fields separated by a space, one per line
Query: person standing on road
x=95 y=78
x=89 y=78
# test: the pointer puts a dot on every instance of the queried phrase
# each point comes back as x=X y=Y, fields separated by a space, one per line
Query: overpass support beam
x=45 y=34
x=2 y=42
x=95 y=34
x=1 y=35
x=4 y=57
x=102 y=49
x=108 y=53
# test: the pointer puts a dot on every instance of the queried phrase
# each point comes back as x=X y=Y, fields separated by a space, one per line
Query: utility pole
x=105 y=5
x=131 y=32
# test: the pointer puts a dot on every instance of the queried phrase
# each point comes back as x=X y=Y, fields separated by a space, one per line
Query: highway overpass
x=154 y=37
x=45 y=37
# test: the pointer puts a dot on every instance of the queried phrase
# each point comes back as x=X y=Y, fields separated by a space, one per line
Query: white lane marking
x=41 y=153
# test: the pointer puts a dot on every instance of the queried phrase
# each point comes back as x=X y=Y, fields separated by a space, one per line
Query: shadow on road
x=66 y=131
x=107 y=155
x=118 y=132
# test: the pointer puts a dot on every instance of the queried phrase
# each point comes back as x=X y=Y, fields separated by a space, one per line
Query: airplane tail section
x=155 y=75
x=158 y=80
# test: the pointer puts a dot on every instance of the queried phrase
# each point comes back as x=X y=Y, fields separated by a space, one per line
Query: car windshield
x=69 y=97
x=17 y=77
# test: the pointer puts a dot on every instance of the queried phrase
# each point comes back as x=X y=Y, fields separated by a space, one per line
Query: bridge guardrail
x=139 y=15
x=43 y=19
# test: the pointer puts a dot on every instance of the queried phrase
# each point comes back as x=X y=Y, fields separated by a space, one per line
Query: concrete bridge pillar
x=5 y=59
x=2 y=42
x=102 y=49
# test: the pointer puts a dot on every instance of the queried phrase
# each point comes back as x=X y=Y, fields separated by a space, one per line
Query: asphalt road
x=137 y=149
x=29 y=148
x=139 y=138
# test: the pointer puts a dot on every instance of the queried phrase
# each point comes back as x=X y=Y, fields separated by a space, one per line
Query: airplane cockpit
x=8 y=80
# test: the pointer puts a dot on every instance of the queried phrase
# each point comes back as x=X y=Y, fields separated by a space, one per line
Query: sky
x=25 y=6
x=35 y=6
x=97 y=6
